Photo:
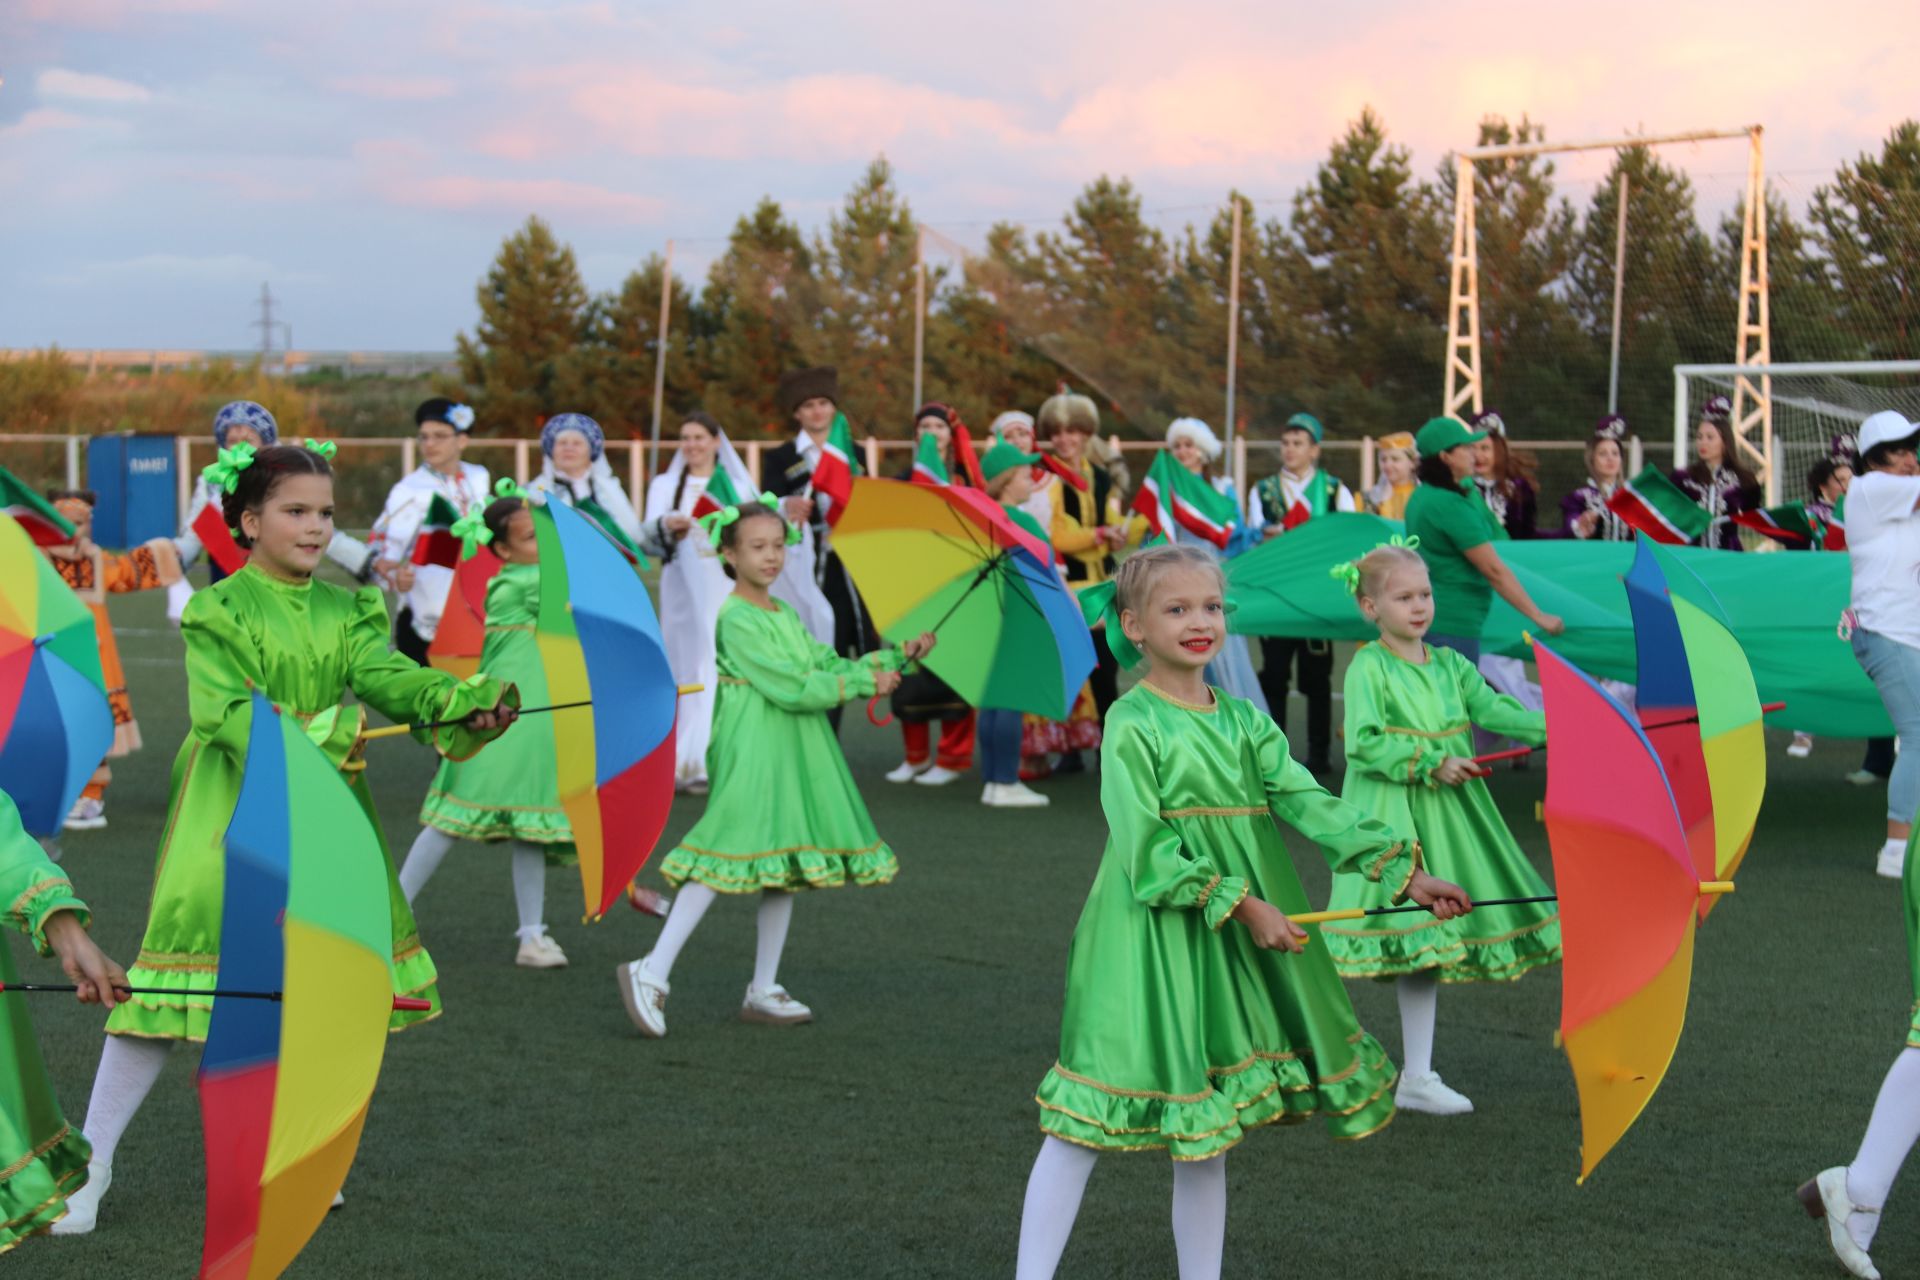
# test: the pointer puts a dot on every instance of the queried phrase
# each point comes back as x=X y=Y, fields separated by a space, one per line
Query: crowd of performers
x=1194 y=1012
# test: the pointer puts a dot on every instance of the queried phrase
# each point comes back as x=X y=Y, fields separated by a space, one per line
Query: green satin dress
x=43 y=1159
x=510 y=791
x=1178 y=1033
x=304 y=645
x=1403 y=719
x=784 y=812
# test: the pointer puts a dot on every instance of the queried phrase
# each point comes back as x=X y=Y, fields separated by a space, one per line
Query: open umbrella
x=463 y=623
x=55 y=724
x=948 y=559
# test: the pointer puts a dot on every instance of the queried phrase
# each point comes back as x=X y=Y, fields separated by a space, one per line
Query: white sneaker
x=1827 y=1197
x=540 y=952
x=339 y=1201
x=1864 y=778
x=1429 y=1094
x=1017 y=795
x=990 y=794
x=936 y=777
x=646 y=996
x=87 y=814
x=83 y=1206
x=773 y=1005
x=1802 y=746
x=907 y=772
x=1893 y=860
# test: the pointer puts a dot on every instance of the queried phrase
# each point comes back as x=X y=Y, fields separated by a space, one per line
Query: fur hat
x=797 y=386
x=1197 y=431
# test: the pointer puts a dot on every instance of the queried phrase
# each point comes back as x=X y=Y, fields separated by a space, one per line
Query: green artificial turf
x=530 y=1132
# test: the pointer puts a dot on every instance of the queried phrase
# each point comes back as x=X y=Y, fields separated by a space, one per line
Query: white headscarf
x=1199 y=432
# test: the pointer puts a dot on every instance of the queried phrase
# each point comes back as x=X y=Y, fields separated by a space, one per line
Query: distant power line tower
x=266 y=323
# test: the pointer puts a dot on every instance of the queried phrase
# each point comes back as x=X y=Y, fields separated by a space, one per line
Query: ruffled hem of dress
x=1913 y=1027
x=34 y=1195
x=185 y=1016
x=1363 y=954
x=550 y=830
x=1266 y=1089
x=790 y=869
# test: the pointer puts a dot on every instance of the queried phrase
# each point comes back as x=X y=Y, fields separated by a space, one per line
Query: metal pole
x=1619 y=296
x=1233 y=319
x=919 y=314
x=660 y=350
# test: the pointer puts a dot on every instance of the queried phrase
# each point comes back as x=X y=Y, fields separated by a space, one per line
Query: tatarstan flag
x=435 y=543
x=1172 y=491
x=1657 y=507
x=47 y=527
x=1787 y=524
x=833 y=473
x=927 y=467
x=210 y=526
x=719 y=495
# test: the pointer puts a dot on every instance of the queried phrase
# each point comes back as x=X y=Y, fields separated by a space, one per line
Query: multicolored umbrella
x=285 y=1084
x=463 y=623
x=55 y=724
x=1628 y=890
x=947 y=559
x=600 y=642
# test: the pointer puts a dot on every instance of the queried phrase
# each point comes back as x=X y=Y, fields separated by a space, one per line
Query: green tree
x=533 y=313
x=865 y=321
x=613 y=368
x=1867 y=222
x=1803 y=309
x=759 y=299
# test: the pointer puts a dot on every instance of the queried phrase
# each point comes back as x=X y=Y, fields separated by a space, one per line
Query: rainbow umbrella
x=284 y=1085
x=1628 y=888
x=600 y=642
x=1666 y=701
x=948 y=559
x=55 y=724
x=462 y=632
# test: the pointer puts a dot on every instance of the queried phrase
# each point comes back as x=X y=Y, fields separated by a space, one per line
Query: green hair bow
x=325 y=448
x=507 y=488
x=472 y=531
x=715 y=522
x=224 y=471
x=1101 y=603
x=1348 y=571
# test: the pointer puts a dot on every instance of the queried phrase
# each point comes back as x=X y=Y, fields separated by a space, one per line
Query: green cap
x=1308 y=423
x=1004 y=457
x=1442 y=434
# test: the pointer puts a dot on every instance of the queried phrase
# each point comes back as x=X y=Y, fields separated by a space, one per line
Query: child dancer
x=511 y=793
x=1193 y=1014
x=1008 y=473
x=1409 y=764
x=302 y=643
x=784 y=813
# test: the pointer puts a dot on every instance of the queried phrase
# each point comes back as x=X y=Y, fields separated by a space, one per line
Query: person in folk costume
x=442 y=430
x=1195 y=1010
x=1196 y=448
x=577 y=471
x=92 y=573
x=244 y=422
x=785 y=814
x=810 y=398
x=1087 y=527
x=922 y=696
x=1504 y=477
x=1399 y=462
x=1717 y=481
x=271 y=629
x=1827 y=482
x=1297 y=492
x=43 y=1159
x=1584 y=513
x=1008 y=474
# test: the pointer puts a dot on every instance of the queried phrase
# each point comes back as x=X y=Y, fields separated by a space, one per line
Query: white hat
x=1198 y=432
x=1884 y=427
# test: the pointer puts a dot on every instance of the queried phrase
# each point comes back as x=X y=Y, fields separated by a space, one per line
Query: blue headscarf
x=596 y=438
x=247 y=414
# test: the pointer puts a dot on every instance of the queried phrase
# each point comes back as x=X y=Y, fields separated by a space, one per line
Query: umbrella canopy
x=948 y=559
x=284 y=1085
x=1666 y=704
x=55 y=724
x=463 y=624
x=600 y=642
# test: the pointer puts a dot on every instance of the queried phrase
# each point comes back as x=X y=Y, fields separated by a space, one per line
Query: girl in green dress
x=1195 y=1009
x=1411 y=708
x=784 y=814
x=303 y=643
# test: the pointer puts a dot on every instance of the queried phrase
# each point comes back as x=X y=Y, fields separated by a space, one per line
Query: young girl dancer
x=511 y=793
x=784 y=814
x=1410 y=707
x=302 y=643
x=1195 y=1010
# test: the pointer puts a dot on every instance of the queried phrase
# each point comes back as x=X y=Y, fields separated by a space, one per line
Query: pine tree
x=613 y=369
x=866 y=293
x=759 y=299
x=1803 y=310
x=1868 y=226
x=533 y=313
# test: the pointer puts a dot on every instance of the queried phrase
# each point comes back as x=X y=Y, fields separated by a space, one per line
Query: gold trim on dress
x=35 y=1154
x=1246 y=887
x=875 y=847
x=1200 y=903
x=1215 y=811
x=1202 y=708
x=35 y=889
x=1434 y=735
x=1118 y=1092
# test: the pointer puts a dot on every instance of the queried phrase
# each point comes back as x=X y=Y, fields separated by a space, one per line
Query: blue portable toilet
x=133 y=477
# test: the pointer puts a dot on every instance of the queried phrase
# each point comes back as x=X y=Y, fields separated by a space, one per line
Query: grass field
x=529 y=1132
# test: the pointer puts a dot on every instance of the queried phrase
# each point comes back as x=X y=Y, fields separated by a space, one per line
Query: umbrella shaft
x=142 y=991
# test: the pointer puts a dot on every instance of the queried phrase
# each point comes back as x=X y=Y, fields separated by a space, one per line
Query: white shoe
x=773 y=1004
x=83 y=1206
x=1017 y=795
x=339 y=1201
x=1827 y=1197
x=87 y=814
x=1802 y=746
x=1864 y=777
x=990 y=794
x=540 y=952
x=907 y=772
x=1429 y=1094
x=1893 y=860
x=936 y=777
x=646 y=997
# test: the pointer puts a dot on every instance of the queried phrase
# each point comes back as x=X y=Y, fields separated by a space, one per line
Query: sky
x=162 y=158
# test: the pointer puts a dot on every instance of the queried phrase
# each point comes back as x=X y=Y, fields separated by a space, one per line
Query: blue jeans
x=999 y=745
x=1894 y=669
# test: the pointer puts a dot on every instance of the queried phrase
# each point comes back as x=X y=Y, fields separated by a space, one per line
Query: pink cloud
x=44 y=120
x=395 y=88
x=82 y=86
x=524 y=195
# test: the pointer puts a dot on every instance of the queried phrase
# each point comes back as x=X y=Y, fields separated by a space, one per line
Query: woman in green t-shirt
x=1457 y=532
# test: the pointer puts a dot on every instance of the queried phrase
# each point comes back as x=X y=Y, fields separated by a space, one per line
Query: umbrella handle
x=411 y=1004
x=876 y=721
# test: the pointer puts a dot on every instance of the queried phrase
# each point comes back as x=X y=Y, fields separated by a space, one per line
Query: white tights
x=128 y=1068
x=1059 y=1178
x=1890 y=1135
x=690 y=905
x=529 y=876
x=1419 y=995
